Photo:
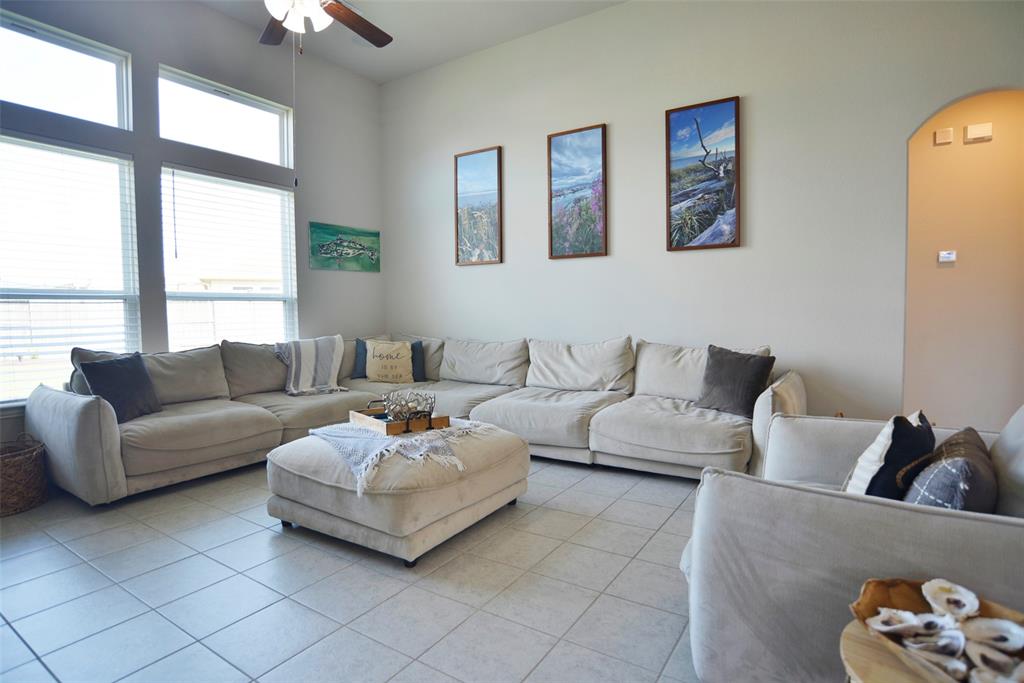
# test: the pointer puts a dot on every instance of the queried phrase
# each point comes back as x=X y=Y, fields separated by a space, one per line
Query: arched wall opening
x=964 y=342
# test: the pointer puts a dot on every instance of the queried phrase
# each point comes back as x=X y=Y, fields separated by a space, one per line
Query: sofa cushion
x=178 y=376
x=348 y=361
x=433 y=353
x=959 y=476
x=485 y=362
x=252 y=368
x=457 y=399
x=388 y=361
x=1008 y=459
x=604 y=366
x=674 y=371
x=195 y=432
x=672 y=430
x=299 y=414
x=378 y=389
x=551 y=417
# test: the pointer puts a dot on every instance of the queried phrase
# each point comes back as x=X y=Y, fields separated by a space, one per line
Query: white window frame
x=121 y=59
x=283 y=113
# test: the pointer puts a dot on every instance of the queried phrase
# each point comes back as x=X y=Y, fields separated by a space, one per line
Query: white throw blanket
x=364 y=449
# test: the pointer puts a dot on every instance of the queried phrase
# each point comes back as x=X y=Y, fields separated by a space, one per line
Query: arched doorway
x=964 y=341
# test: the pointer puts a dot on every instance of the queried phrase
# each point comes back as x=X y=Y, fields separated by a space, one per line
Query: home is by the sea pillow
x=388 y=361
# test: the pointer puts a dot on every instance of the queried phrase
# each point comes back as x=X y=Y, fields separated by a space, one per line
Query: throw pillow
x=313 y=365
x=389 y=361
x=359 y=369
x=419 y=362
x=124 y=383
x=898 y=454
x=960 y=476
x=734 y=380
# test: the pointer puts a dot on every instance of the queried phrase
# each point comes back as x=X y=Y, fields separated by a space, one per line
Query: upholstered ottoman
x=408 y=506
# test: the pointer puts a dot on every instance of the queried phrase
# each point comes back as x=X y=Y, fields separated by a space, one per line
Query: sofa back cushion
x=178 y=376
x=1008 y=459
x=252 y=368
x=604 y=366
x=433 y=353
x=675 y=371
x=485 y=362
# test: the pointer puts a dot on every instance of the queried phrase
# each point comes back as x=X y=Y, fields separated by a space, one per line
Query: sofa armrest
x=83 y=443
x=818 y=450
x=784 y=395
x=774 y=566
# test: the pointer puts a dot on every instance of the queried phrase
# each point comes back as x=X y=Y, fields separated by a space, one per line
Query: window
x=49 y=69
x=229 y=260
x=67 y=267
x=199 y=112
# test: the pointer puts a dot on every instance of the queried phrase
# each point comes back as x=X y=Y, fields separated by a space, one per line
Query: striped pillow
x=313 y=365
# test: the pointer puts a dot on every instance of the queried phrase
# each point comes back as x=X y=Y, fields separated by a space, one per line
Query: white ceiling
x=426 y=32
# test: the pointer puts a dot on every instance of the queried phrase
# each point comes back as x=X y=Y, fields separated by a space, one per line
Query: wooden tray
x=368 y=418
x=905 y=594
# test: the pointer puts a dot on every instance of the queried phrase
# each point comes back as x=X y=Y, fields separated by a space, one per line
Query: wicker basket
x=22 y=475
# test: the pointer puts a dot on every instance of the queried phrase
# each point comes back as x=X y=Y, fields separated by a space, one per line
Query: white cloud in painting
x=576 y=158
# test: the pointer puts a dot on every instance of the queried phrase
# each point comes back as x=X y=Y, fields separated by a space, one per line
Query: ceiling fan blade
x=274 y=33
x=357 y=23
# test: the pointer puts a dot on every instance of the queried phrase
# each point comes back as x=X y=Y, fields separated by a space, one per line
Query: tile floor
x=578 y=582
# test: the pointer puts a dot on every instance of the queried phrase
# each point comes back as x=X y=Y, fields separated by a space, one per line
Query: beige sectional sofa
x=224 y=406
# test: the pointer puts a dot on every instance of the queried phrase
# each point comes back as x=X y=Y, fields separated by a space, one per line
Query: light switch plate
x=944 y=136
x=947 y=256
x=976 y=132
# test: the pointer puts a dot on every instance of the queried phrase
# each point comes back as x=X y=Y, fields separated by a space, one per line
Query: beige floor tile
x=16 y=524
x=621 y=539
x=537 y=464
x=154 y=503
x=634 y=633
x=661 y=490
x=580 y=502
x=488 y=648
x=89 y=524
x=60 y=507
x=538 y=494
x=412 y=621
x=570 y=663
x=360 y=658
x=183 y=518
x=24 y=542
x=141 y=558
x=64 y=624
x=470 y=579
x=194 y=664
x=561 y=474
x=215 y=533
x=345 y=595
x=258 y=515
x=517 y=548
x=417 y=672
x=680 y=523
x=425 y=564
x=13 y=652
x=542 y=603
x=638 y=514
x=176 y=580
x=263 y=640
x=329 y=544
x=33 y=672
x=680 y=664
x=608 y=483
x=35 y=564
x=297 y=569
x=240 y=500
x=582 y=566
x=50 y=590
x=214 y=607
x=118 y=651
x=249 y=551
x=653 y=585
x=553 y=523
x=664 y=549
x=112 y=540
x=210 y=489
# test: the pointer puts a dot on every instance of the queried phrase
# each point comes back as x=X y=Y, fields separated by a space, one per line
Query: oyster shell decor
x=401 y=405
x=1001 y=634
x=946 y=597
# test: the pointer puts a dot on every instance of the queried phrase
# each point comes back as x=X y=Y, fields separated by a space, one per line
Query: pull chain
x=294 y=102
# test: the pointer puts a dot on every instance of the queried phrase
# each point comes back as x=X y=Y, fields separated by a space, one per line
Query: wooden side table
x=868 y=661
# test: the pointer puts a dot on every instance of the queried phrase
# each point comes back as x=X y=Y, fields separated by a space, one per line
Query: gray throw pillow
x=960 y=476
x=733 y=381
x=125 y=384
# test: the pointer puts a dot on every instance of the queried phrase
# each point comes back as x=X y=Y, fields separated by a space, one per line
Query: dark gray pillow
x=960 y=476
x=733 y=381
x=125 y=384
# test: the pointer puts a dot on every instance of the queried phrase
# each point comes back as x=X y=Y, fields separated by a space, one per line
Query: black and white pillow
x=898 y=454
x=960 y=477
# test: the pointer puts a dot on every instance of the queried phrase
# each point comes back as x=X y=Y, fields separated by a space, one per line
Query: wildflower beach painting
x=702 y=175
x=478 y=207
x=577 y=188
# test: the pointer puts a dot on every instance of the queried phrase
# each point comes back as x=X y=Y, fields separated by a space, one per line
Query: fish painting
x=337 y=247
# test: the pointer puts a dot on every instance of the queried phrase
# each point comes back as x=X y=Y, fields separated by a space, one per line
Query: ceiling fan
x=291 y=15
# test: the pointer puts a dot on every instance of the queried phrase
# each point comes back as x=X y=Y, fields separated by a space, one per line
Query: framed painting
x=336 y=247
x=577 y=193
x=702 y=175
x=478 y=230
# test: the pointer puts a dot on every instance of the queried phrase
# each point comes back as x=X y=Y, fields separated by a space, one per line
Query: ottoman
x=408 y=507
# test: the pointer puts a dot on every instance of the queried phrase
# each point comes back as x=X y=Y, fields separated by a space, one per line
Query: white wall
x=830 y=94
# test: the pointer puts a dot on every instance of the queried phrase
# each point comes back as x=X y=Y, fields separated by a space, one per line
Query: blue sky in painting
x=478 y=173
x=717 y=122
x=575 y=158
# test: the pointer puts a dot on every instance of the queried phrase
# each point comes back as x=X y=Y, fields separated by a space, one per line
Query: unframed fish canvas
x=336 y=247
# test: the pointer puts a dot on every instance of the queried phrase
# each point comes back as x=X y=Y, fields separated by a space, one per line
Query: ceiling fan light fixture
x=278 y=8
x=295 y=22
x=317 y=16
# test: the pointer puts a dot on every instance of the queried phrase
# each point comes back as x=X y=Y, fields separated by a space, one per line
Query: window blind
x=68 y=273
x=229 y=260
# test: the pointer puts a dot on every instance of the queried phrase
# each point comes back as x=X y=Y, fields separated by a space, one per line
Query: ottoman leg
x=513 y=501
x=286 y=525
x=410 y=563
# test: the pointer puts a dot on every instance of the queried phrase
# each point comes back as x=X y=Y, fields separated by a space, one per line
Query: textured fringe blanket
x=364 y=449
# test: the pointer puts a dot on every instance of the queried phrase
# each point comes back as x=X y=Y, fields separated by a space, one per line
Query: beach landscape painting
x=702 y=175
x=336 y=247
x=478 y=227
x=577 y=191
